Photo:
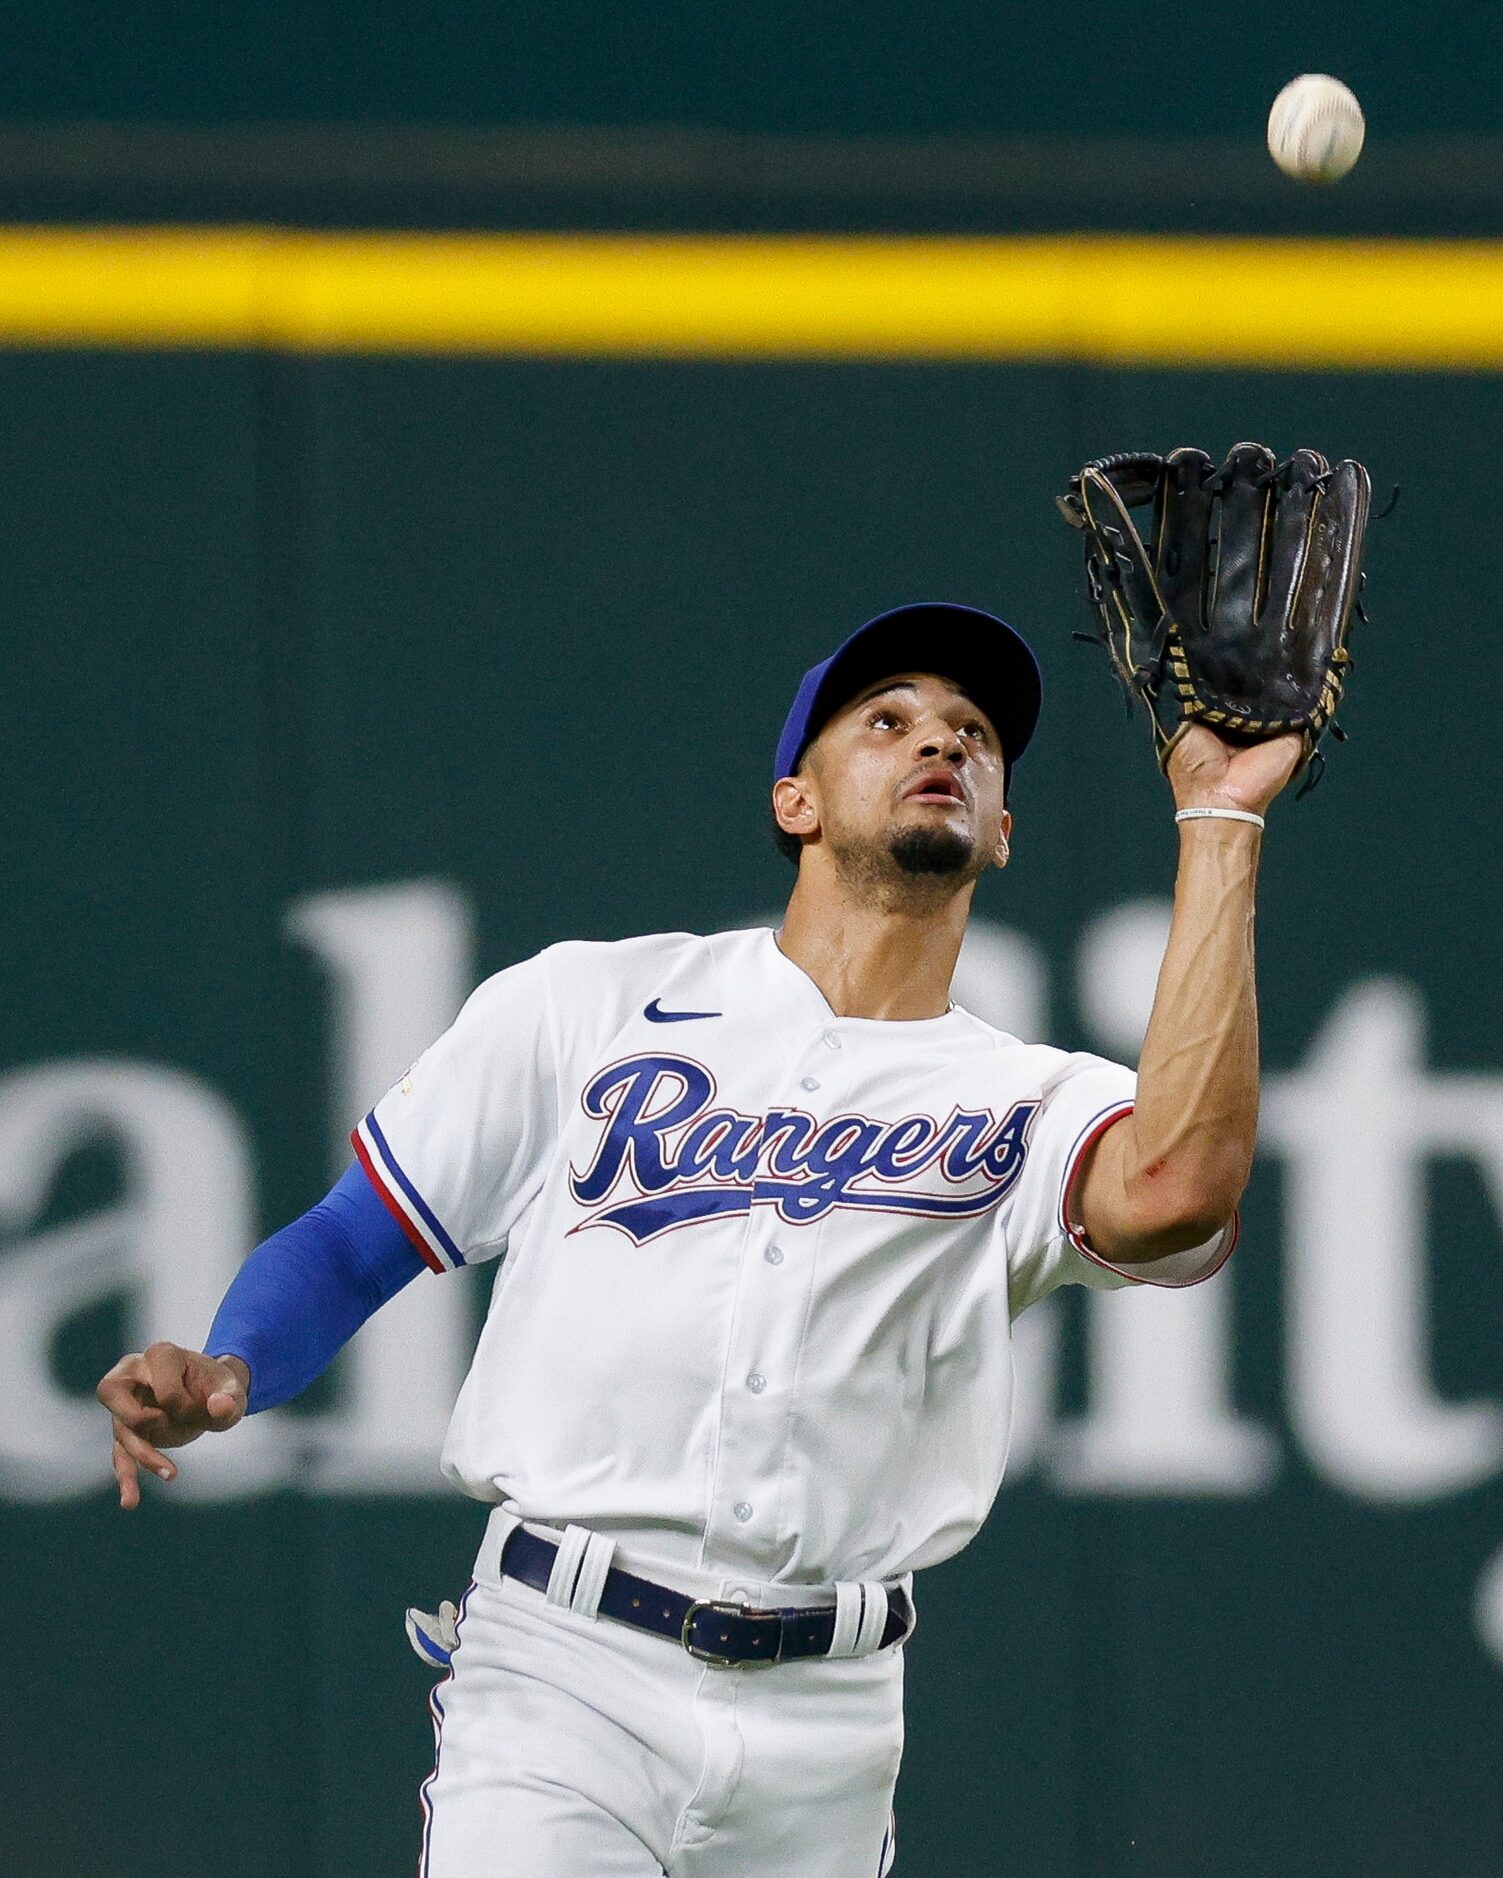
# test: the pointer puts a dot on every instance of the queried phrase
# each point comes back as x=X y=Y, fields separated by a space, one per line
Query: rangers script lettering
x=784 y=1158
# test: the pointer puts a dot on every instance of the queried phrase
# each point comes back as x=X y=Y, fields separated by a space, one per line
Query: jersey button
x=832 y=1040
x=809 y=1082
x=774 y=1255
x=756 y=1382
x=743 y=1510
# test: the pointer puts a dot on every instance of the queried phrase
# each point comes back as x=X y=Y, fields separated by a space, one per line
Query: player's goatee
x=932 y=851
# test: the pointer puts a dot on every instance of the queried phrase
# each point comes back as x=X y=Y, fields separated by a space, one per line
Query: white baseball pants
x=574 y=1747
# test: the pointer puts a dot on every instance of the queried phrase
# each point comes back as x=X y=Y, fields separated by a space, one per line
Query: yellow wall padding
x=1102 y=299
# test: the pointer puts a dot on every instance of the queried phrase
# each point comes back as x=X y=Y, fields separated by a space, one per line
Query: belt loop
x=566 y=1563
x=598 y=1553
x=849 y=1605
x=860 y=1618
x=873 y=1618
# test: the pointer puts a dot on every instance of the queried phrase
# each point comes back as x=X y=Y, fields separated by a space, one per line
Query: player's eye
x=977 y=731
x=884 y=720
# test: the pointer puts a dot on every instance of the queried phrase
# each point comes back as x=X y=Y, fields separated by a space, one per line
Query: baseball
x=1315 y=129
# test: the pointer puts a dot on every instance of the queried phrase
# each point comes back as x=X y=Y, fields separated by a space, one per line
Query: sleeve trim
x=1220 y=1249
x=403 y=1201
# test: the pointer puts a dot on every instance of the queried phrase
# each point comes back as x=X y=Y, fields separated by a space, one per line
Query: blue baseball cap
x=992 y=664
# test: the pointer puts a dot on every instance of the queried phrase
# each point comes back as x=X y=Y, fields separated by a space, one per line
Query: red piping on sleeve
x=419 y=1243
x=1135 y=1274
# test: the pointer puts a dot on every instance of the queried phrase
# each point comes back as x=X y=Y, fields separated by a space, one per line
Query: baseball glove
x=1235 y=612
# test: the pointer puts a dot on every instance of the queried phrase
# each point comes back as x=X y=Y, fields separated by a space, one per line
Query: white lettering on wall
x=170 y=1245
x=1001 y=978
x=399 y=962
x=1488 y=1611
x=1355 y=1126
x=1160 y=1417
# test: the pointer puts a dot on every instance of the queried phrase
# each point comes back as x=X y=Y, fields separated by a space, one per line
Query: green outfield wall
x=332 y=685
x=1094 y=68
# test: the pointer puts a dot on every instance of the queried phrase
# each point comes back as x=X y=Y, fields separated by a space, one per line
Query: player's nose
x=939 y=742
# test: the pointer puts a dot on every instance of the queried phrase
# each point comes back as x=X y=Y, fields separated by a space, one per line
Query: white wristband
x=1219 y=815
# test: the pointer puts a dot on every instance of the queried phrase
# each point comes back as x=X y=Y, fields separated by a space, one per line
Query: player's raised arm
x=1170 y=1173
x=1230 y=624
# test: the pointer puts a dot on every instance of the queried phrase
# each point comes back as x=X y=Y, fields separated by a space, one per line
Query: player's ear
x=1004 y=840
x=793 y=806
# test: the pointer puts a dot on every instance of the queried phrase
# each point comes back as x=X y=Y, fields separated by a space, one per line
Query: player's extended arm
x=1169 y=1174
x=292 y=1306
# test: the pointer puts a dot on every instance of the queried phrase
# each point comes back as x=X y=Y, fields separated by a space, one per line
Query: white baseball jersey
x=761 y=1260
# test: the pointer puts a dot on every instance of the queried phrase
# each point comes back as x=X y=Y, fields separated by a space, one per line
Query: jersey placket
x=749 y=1497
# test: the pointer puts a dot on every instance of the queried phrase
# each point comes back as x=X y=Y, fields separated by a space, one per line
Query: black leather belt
x=726 y=1635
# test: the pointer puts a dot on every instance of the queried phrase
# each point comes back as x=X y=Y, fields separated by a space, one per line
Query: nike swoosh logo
x=655 y=1014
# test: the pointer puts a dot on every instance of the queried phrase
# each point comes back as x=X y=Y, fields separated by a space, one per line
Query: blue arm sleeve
x=304 y=1292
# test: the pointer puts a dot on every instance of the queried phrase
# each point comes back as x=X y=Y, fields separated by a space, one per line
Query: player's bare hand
x=1205 y=771
x=165 y=1397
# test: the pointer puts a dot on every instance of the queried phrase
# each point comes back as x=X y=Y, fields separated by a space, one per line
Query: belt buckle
x=724 y=1608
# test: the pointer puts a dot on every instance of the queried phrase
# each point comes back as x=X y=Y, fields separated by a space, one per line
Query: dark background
x=954 y=67
x=276 y=627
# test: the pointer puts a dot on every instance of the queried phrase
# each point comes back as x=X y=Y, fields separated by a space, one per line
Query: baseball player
x=764 y=1205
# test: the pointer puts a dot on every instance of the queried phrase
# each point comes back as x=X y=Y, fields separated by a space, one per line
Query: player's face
x=910 y=769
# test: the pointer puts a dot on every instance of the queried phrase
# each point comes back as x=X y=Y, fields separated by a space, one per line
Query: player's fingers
x=125 y=1473
x=225 y=1407
x=143 y=1453
x=125 y=1384
x=144 y=1417
x=168 y=1373
x=217 y=1384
